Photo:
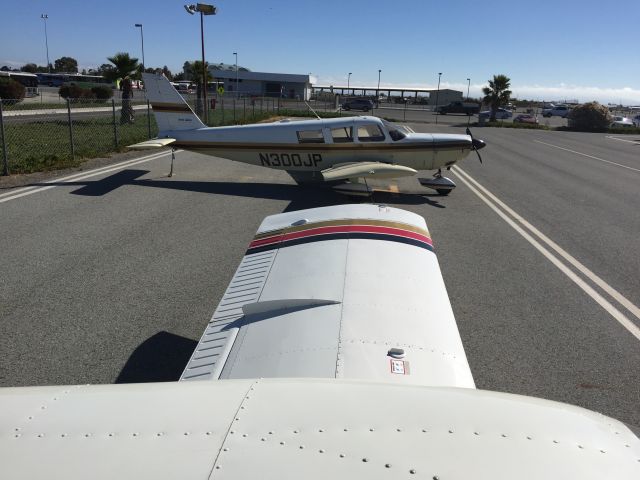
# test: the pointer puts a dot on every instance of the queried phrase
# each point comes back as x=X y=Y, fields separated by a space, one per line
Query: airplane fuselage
x=315 y=145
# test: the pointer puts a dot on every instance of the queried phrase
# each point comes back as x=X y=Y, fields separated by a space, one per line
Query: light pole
x=236 y=54
x=348 y=82
x=44 y=17
x=204 y=9
x=468 y=87
x=139 y=25
x=438 y=95
x=378 y=90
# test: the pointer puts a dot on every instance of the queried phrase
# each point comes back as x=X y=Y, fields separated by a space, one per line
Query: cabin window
x=394 y=131
x=342 y=134
x=310 y=136
x=370 y=133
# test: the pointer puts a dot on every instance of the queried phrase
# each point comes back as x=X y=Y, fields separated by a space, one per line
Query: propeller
x=476 y=144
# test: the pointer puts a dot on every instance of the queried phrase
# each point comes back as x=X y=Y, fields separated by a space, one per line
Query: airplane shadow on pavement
x=301 y=197
x=160 y=358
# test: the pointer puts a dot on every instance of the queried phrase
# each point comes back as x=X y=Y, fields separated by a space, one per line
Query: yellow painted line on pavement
x=23 y=192
x=589 y=156
x=496 y=205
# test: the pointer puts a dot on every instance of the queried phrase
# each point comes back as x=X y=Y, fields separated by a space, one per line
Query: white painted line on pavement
x=492 y=201
x=22 y=192
x=635 y=142
x=589 y=156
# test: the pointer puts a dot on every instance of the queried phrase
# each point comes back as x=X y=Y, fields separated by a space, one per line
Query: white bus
x=29 y=80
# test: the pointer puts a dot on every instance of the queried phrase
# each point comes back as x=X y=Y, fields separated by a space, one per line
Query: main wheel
x=442 y=191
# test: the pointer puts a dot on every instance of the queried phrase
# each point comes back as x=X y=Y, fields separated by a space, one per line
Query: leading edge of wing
x=345 y=171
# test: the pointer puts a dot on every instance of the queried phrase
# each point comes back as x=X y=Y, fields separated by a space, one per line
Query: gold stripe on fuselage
x=190 y=144
x=338 y=223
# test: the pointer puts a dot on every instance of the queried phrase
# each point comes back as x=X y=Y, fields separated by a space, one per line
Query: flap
x=345 y=171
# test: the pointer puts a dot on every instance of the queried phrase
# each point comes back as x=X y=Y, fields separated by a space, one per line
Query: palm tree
x=497 y=93
x=124 y=65
x=195 y=71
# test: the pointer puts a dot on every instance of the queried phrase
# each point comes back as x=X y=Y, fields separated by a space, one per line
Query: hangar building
x=285 y=85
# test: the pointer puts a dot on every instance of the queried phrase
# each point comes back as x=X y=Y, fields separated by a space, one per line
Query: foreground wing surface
x=352 y=291
x=345 y=171
x=303 y=428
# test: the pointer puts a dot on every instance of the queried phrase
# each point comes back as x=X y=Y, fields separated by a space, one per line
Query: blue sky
x=583 y=49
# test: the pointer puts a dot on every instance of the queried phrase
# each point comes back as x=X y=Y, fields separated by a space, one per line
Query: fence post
x=244 y=109
x=5 y=157
x=234 y=111
x=222 y=104
x=115 y=125
x=149 y=118
x=73 y=153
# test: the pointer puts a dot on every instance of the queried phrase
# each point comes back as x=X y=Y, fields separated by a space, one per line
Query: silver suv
x=358 y=104
x=557 y=111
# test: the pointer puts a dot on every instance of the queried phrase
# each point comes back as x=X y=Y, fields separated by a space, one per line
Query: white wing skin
x=303 y=428
x=353 y=291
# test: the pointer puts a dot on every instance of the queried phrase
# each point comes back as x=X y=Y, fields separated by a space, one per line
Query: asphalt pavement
x=113 y=277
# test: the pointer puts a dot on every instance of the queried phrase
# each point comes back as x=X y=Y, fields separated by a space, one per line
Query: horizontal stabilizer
x=153 y=143
x=345 y=171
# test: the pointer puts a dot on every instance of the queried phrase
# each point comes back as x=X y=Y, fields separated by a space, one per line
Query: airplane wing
x=353 y=296
x=153 y=143
x=353 y=291
x=346 y=171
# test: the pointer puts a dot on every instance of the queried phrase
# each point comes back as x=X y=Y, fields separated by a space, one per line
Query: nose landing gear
x=440 y=184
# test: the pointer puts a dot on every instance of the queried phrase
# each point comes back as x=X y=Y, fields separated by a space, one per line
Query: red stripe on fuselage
x=340 y=229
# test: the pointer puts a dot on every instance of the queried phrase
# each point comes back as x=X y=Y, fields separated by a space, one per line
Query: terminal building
x=430 y=96
x=243 y=82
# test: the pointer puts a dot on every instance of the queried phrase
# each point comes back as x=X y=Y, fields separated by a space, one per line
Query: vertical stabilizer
x=172 y=112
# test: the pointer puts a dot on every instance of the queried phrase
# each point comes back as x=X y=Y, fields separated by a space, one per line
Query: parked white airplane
x=347 y=149
x=334 y=353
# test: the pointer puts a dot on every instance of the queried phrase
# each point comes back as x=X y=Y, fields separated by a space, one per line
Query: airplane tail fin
x=172 y=112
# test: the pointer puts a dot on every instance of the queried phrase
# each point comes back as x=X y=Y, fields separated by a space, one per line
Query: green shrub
x=71 y=91
x=590 y=117
x=101 y=93
x=11 y=90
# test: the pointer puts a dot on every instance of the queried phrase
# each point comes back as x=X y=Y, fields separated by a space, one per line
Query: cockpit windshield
x=394 y=131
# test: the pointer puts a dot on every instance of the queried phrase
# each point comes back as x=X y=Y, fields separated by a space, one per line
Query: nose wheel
x=440 y=184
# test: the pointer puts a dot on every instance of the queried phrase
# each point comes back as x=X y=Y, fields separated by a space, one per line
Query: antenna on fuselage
x=312 y=110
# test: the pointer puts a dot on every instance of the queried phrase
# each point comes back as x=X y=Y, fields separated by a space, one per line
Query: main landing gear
x=440 y=184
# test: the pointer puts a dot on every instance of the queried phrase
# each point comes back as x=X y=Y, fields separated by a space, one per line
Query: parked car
x=501 y=114
x=363 y=104
x=622 y=122
x=525 y=118
x=468 y=108
x=556 y=111
x=636 y=121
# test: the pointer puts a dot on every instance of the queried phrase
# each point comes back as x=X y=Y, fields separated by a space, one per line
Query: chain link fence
x=40 y=136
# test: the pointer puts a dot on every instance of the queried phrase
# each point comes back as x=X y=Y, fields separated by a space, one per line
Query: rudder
x=172 y=112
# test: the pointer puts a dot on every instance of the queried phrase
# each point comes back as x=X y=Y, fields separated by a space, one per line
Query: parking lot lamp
x=438 y=95
x=139 y=25
x=348 y=82
x=236 y=54
x=44 y=17
x=203 y=9
x=468 y=87
x=378 y=90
